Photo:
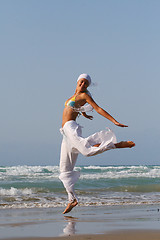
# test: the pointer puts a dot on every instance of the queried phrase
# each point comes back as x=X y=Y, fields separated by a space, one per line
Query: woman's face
x=82 y=84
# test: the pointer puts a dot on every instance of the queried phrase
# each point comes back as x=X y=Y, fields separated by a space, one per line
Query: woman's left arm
x=101 y=111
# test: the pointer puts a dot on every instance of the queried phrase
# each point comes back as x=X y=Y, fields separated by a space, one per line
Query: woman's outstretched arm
x=102 y=112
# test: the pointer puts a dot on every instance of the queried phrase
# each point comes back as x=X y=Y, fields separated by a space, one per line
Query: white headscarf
x=86 y=76
x=88 y=107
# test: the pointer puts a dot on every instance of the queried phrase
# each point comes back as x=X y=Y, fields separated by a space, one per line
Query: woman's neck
x=78 y=92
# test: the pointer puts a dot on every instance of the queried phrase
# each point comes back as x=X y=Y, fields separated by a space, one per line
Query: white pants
x=72 y=144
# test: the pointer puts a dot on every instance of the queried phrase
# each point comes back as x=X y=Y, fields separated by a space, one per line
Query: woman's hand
x=120 y=124
x=87 y=116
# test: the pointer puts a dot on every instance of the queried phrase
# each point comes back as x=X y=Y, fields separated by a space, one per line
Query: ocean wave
x=39 y=186
x=111 y=199
x=108 y=171
x=117 y=172
x=87 y=172
x=29 y=171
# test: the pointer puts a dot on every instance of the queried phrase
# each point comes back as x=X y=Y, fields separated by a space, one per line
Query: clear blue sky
x=46 y=44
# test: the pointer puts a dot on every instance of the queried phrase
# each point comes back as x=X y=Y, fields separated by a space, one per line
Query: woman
x=73 y=143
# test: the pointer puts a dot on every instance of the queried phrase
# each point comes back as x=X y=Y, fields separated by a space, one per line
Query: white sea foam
x=103 y=168
x=15 y=192
x=113 y=172
x=87 y=172
x=30 y=171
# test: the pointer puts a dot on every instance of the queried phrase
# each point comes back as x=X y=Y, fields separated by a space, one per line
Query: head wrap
x=85 y=76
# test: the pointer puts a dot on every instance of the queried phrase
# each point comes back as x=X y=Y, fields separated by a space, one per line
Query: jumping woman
x=73 y=143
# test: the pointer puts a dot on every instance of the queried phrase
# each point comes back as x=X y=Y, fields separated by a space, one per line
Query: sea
x=40 y=187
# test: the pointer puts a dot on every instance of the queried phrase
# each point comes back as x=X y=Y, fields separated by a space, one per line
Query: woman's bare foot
x=125 y=144
x=70 y=206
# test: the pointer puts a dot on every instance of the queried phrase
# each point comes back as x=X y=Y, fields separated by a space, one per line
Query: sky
x=46 y=44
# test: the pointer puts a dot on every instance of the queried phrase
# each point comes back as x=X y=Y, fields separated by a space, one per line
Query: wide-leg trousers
x=72 y=144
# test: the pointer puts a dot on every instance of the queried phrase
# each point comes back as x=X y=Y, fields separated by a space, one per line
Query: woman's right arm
x=87 y=116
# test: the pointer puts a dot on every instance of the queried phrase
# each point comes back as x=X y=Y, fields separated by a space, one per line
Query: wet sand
x=120 y=235
x=92 y=222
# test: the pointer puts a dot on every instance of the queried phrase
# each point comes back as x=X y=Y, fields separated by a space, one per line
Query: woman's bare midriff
x=68 y=115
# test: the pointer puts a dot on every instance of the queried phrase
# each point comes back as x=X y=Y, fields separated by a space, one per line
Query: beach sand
x=120 y=235
x=90 y=223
